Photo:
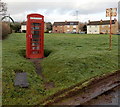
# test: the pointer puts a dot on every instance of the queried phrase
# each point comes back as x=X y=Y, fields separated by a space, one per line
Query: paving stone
x=21 y=80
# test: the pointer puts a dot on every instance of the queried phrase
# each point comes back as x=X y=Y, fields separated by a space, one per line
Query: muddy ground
x=94 y=89
x=111 y=97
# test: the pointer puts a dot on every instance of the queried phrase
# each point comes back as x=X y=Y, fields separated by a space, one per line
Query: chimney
x=88 y=21
x=115 y=19
x=65 y=21
x=101 y=20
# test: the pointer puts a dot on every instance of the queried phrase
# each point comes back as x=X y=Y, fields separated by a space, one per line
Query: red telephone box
x=35 y=36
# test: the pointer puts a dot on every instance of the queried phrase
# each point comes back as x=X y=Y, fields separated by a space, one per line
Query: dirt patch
x=49 y=85
x=36 y=62
x=38 y=67
x=76 y=95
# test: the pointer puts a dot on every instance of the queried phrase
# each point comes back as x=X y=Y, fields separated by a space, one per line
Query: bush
x=5 y=28
x=16 y=27
x=0 y=30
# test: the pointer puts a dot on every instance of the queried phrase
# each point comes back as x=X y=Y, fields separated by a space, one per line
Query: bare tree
x=3 y=9
x=3 y=12
x=82 y=26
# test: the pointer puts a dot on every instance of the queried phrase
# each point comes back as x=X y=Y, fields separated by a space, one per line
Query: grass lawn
x=73 y=58
x=0 y=73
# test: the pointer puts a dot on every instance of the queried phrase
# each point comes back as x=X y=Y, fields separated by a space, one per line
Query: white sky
x=60 y=10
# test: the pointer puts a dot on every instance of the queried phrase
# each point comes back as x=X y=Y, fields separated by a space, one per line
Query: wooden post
x=109 y=13
x=110 y=38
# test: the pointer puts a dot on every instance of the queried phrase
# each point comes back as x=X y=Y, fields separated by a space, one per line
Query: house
x=66 y=27
x=23 y=27
x=71 y=27
x=58 y=27
x=102 y=27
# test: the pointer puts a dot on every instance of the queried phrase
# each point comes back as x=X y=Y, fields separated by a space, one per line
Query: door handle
x=30 y=36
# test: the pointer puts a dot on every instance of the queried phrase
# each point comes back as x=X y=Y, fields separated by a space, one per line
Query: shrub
x=0 y=30
x=5 y=28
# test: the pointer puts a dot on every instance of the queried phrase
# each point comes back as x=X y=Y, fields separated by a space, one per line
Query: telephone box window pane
x=35 y=28
x=35 y=40
x=35 y=48
x=35 y=52
x=38 y=18
x=35 y=44
x=35 y=36
x=36 y=24
x=35 y=32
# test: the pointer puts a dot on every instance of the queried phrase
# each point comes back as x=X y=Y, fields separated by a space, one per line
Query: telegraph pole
x=77 y=12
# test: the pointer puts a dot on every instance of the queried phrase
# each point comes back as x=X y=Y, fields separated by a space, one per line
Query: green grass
x=73 y=58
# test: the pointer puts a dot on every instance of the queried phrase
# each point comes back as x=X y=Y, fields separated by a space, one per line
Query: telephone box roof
x=35 y=15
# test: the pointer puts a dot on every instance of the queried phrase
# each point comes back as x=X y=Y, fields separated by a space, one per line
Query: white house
x=93 y=29
x=102 y=27
x=23 y=27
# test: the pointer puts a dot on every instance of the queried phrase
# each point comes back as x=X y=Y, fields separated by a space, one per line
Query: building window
x=90 y=31
x=68 y=30
x=74 y=26
x=68 y=26
x=102 y=25
x=74 y=30
x=71 y=23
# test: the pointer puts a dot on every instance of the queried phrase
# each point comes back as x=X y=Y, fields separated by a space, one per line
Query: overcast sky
x=61 y=10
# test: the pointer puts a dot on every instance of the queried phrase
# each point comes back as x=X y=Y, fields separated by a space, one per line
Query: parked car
x=82 y=32
x=118 y=33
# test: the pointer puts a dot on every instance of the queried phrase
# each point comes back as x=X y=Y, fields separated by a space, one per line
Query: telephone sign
x=35 y=36
x=111 y=12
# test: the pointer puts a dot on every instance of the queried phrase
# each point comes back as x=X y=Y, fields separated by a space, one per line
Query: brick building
x=66 y=27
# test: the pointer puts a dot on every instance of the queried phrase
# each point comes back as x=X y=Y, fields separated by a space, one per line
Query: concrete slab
x=21 y=80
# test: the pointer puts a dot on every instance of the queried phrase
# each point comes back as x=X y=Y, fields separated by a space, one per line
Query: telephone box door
x=35 y=36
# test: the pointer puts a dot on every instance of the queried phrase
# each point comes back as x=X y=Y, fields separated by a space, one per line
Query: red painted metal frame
x=35 y=18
